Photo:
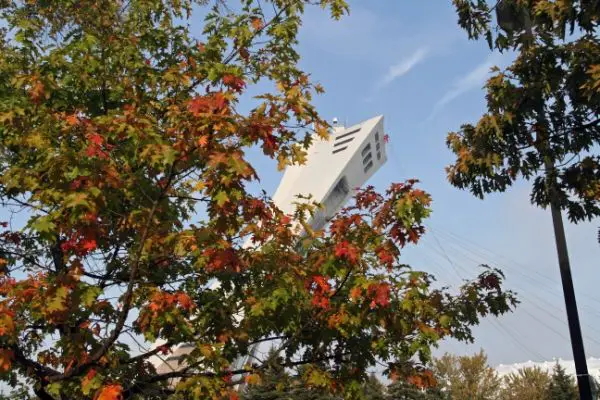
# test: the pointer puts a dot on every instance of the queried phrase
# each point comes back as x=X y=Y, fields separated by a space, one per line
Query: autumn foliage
x=123 y=156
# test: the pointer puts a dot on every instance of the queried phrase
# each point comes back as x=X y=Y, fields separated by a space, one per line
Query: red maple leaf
x=320 y=301
x=88 y=245
x=164 y=349
x=346 y=251
x=382 y=294
x=385 y=257
x=184 y=301
x=234 y=82
x=322 y=283
x=90 y=375
x=95 y=138
x=219 y=101
x=199 y=105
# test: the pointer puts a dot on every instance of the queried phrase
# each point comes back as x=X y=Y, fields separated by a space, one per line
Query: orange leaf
x=347 y=251
x=355 y=292
x=72 y=119
x=203 y=140
x=37 y=91
x=257 y=23
x=234 y=82
x=110 y=392
x=6 y=357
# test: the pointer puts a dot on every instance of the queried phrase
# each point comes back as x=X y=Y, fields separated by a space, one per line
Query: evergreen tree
x=276 y=383
x=373 y=389
x=562 y=386
x=402 y=390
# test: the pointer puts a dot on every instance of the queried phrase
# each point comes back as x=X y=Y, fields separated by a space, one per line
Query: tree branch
x=128 y=296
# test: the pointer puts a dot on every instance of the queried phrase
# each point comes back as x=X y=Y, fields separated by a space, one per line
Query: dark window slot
x=347 y=134
x=368 y=167
x=366 y=150
x=343 y=142
x=367 y=158
x=340 y=149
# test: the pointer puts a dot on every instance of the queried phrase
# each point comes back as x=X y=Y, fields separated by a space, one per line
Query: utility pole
x=509 y=21
x=581 y=369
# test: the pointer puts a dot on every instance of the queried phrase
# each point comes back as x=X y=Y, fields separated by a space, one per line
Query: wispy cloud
x=472 y=80
x=403 y=67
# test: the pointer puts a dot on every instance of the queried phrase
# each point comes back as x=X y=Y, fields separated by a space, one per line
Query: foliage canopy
x=542 y=111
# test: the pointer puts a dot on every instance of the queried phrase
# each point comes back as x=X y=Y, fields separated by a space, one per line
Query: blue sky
x=412 y=63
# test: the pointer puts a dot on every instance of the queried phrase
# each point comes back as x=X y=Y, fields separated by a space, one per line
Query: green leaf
x=43 y=224
x=89 y=295
x=58 y=302
x=221 y=198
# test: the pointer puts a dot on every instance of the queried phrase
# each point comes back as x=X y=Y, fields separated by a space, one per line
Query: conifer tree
x=562 y=386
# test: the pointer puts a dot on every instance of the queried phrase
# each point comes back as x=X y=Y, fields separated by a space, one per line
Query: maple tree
x=542 y=113
x=123 y=157
x=542 y=120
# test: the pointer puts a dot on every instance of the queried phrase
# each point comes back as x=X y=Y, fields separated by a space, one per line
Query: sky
x=412 y=63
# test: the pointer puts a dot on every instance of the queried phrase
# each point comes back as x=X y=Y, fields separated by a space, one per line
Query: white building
x=334 y=168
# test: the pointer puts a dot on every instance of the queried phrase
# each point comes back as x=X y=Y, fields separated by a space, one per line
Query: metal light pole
x=509 y=20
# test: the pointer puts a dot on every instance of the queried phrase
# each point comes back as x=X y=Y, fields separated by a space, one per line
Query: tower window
x=366 y=149
x=347 y=134
x=343 y=142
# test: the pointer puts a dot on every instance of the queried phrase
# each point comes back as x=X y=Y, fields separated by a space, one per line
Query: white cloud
x=473 y=80
x=404 y=66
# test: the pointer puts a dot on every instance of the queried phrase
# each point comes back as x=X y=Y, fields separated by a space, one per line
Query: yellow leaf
x=253 y=379
x=58 y=302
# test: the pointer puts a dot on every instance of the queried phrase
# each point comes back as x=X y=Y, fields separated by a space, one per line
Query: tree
x=526 y=383
x=403 y=390
x=542 y=120
x=561 y=386
x=467 y=377
x=275 y=383
x=373 y=389
x=123 y=148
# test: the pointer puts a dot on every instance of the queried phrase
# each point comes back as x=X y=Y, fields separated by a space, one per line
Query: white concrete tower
x=335 y=168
